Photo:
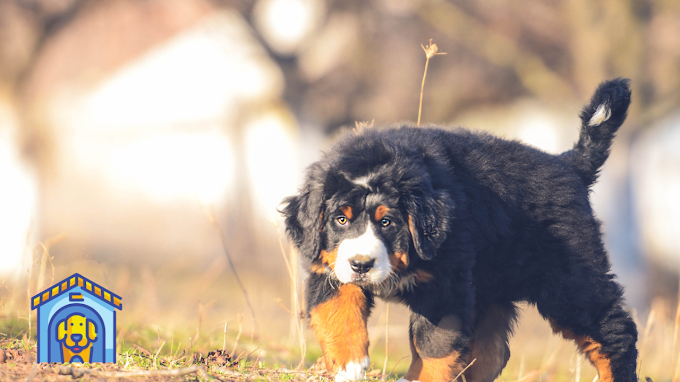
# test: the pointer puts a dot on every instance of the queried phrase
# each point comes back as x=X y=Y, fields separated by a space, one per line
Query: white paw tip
x=353 y=371
x=602 y=113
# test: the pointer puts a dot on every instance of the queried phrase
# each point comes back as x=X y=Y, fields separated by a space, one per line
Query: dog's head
x=76 y=332
x=366 y=211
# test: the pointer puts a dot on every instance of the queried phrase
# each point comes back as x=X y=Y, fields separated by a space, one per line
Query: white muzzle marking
x=353 y=371
x=368 y=245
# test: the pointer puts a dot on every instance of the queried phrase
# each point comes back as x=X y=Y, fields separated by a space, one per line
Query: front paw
x=353 y=371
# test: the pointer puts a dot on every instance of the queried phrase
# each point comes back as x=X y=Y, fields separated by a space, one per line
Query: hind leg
x=493 y=326
x=597 y=322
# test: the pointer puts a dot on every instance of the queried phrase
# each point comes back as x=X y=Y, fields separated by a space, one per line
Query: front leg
x=338 y=315
x=439 y=351
x=441 y=328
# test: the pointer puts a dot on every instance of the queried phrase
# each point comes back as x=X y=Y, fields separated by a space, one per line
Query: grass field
x=157 y=353
x=180 y=322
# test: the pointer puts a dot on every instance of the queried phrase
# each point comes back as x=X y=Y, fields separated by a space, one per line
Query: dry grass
x=164 y=328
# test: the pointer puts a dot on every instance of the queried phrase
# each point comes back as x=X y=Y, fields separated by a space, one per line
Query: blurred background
x=124 y=124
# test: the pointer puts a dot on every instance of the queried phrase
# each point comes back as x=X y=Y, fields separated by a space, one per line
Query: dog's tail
x=599 y=122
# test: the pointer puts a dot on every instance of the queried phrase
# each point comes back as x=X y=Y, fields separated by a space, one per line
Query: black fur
x=493 y=221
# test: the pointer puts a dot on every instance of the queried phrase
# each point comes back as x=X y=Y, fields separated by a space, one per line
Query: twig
x=200 y=321
x=430 y=51
x=211 y=217
x=359 y=127
x=387 y=335
x=79 y=372
x=238 y=336
x=497 y=48
x=141 y=349
x=278 y=300
x=292 y=266
x=224 y=342
x=395 y=365
x=466 y=367
x=247 y=355
x=156 y=355
x=648 y=328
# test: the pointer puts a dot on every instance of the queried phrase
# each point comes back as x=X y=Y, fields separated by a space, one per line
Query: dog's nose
x=361 y=264
x=76 y=337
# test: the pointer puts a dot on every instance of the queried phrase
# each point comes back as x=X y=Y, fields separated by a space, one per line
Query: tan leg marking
x=340 y=326
x=592 y=350
x=489 y=346
x=425 y=369
x=433 y=369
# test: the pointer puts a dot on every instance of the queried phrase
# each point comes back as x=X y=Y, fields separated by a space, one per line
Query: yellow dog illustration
x=76 y=334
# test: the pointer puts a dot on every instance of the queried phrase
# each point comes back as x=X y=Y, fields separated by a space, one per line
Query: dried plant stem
x=466 y=367
x=28 y=297
x=211 y=217
x=395 y=366
x=430 y=51
x=422 y=87
x=200 y=321
x=238 y=336
x=155 y=365
x=224 y=342
x=387 y=335
x=298 y=321
x=648 y=328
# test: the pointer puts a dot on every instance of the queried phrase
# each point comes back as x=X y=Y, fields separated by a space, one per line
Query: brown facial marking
x=592 y=349
x=399 y=261
x=489 y=346
x=328 y=259
x=316 y=267
x=347 y=211
x=340 y=327
x=380 y=212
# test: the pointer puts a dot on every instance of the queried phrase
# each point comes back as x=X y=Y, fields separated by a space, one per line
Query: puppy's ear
x=428 y=220
x=304 y=215
x=61 y=330
x=91 y=330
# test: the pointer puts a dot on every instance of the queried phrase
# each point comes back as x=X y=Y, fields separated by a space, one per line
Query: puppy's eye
x=342 y=220
x=385 y=222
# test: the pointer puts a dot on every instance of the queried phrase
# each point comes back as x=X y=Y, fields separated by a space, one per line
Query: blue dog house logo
x=76 y=322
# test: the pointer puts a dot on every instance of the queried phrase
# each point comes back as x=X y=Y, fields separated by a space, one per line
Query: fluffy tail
x=599 y=122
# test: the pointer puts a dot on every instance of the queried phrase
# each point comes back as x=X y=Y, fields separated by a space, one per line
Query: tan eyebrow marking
x=380 y=212
x=347 y=211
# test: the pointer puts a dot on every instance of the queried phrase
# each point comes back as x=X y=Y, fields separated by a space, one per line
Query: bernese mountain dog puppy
x=459 y=226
